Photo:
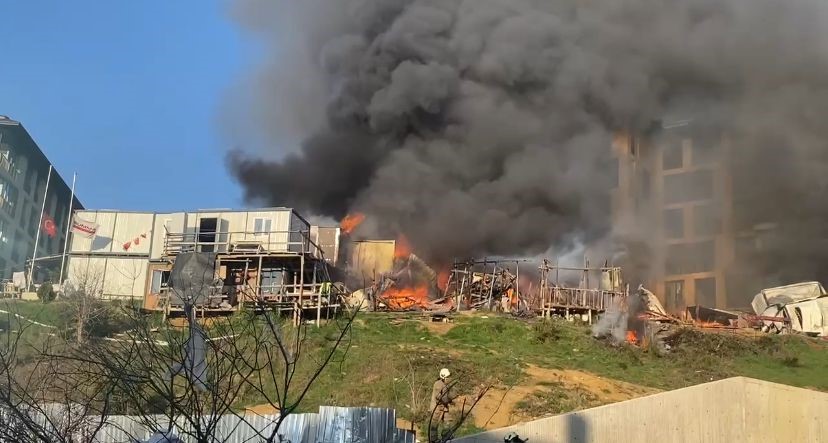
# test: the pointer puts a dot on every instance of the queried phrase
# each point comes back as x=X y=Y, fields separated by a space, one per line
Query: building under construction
x=709 y=232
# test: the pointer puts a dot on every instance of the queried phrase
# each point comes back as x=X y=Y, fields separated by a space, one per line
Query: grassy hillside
x=392 y=361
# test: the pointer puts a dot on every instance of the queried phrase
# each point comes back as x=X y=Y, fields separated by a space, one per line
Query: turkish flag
x=49 y=226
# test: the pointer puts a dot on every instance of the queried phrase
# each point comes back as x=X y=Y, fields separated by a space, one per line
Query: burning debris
x=351 y=222
x=636 y=320
x=473 y=286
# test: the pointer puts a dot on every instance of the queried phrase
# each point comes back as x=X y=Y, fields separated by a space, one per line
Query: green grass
x=392 y=361
x=53 y=313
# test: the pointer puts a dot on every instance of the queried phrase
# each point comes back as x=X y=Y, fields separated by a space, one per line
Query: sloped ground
x=551 y=391
x=535 y=368
x=543 y=368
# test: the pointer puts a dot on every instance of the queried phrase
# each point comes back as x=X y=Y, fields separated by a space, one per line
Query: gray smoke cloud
x=484 y=126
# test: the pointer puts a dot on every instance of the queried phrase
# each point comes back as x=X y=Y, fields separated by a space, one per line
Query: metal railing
x=586 y=298
x=240 y=242
x=306 y=295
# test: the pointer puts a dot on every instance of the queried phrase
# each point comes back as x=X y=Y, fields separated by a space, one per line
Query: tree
x=46 y=293
x=44 y=397
x=288 y=359
x=83 y=296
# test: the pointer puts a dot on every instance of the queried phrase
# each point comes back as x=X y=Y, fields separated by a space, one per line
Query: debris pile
x=473 y=285
x=800 y=307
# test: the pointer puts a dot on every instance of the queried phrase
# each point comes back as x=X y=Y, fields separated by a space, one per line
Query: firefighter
x=441 y=397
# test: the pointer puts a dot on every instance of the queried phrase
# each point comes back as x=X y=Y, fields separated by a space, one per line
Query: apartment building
x=24 y=172
x=261 y=254
x=675 y=183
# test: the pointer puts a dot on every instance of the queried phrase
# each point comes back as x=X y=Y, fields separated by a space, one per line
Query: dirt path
x=498 y=408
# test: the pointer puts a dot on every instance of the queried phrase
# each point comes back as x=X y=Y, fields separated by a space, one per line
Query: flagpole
x=68 y=225
x=39 y=228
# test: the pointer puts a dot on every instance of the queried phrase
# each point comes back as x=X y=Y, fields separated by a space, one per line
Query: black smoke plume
x=484 y=126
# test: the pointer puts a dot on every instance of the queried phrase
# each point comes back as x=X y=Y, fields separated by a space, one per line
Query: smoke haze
x=484 y=126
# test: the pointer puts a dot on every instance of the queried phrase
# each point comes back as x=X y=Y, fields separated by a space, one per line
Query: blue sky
x=126 y=94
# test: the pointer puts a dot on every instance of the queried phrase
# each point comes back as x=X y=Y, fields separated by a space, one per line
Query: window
x=160 y=279
x=674 y=295
x=261 y=225
x=207 y=228
x=34 y=216
x=8 y=197
x=613 y=165
x=60 y=215
x=672 y=155
x=744 y=247
x=4 y=235
x=705 y=149
x=41 y=186
x=7 y=161
x=689 y=258
x=15 y=255
x=674 y=223
x=688 y=187
x=644 y=181
x=706 y=220
x=22 y=167
x=706 y=292
x=31 y=179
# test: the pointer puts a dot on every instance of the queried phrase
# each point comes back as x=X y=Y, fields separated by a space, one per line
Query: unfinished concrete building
x=703 y=241
x=677 y=189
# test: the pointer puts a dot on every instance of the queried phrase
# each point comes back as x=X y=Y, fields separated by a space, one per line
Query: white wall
x=731 y=410
x=116 y=228
x=169 y=222
x=120 y=277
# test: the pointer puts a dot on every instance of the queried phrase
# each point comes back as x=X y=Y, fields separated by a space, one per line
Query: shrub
x=46 y=293
x=546 y=331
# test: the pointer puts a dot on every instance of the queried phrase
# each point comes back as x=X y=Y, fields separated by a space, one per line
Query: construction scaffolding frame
x=473 y=285
x=495 y=284
x=283 y=271
x=557 y=298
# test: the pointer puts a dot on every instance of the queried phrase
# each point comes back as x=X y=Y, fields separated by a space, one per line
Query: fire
x=351 y=221
x=443 y=278
x=406 y=298
x=632 y=337
x=402 y=248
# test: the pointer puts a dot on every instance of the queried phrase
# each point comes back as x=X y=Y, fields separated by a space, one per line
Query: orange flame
x=632 y=337
x=406 y=298
x=442 y=279
x=402 y=248
x=351 y=221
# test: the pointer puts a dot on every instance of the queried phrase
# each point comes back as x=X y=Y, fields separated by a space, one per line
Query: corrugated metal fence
x=331 y=425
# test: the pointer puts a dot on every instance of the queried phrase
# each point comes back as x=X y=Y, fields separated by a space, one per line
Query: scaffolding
x=484 y=284
x=496 y=284
x=589 y=298
x=279 y=270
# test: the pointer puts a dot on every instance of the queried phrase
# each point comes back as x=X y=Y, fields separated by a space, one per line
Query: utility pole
x=68 y=225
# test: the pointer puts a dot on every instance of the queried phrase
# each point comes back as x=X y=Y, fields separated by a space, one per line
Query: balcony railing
x=241 y=242
x=595 y=299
